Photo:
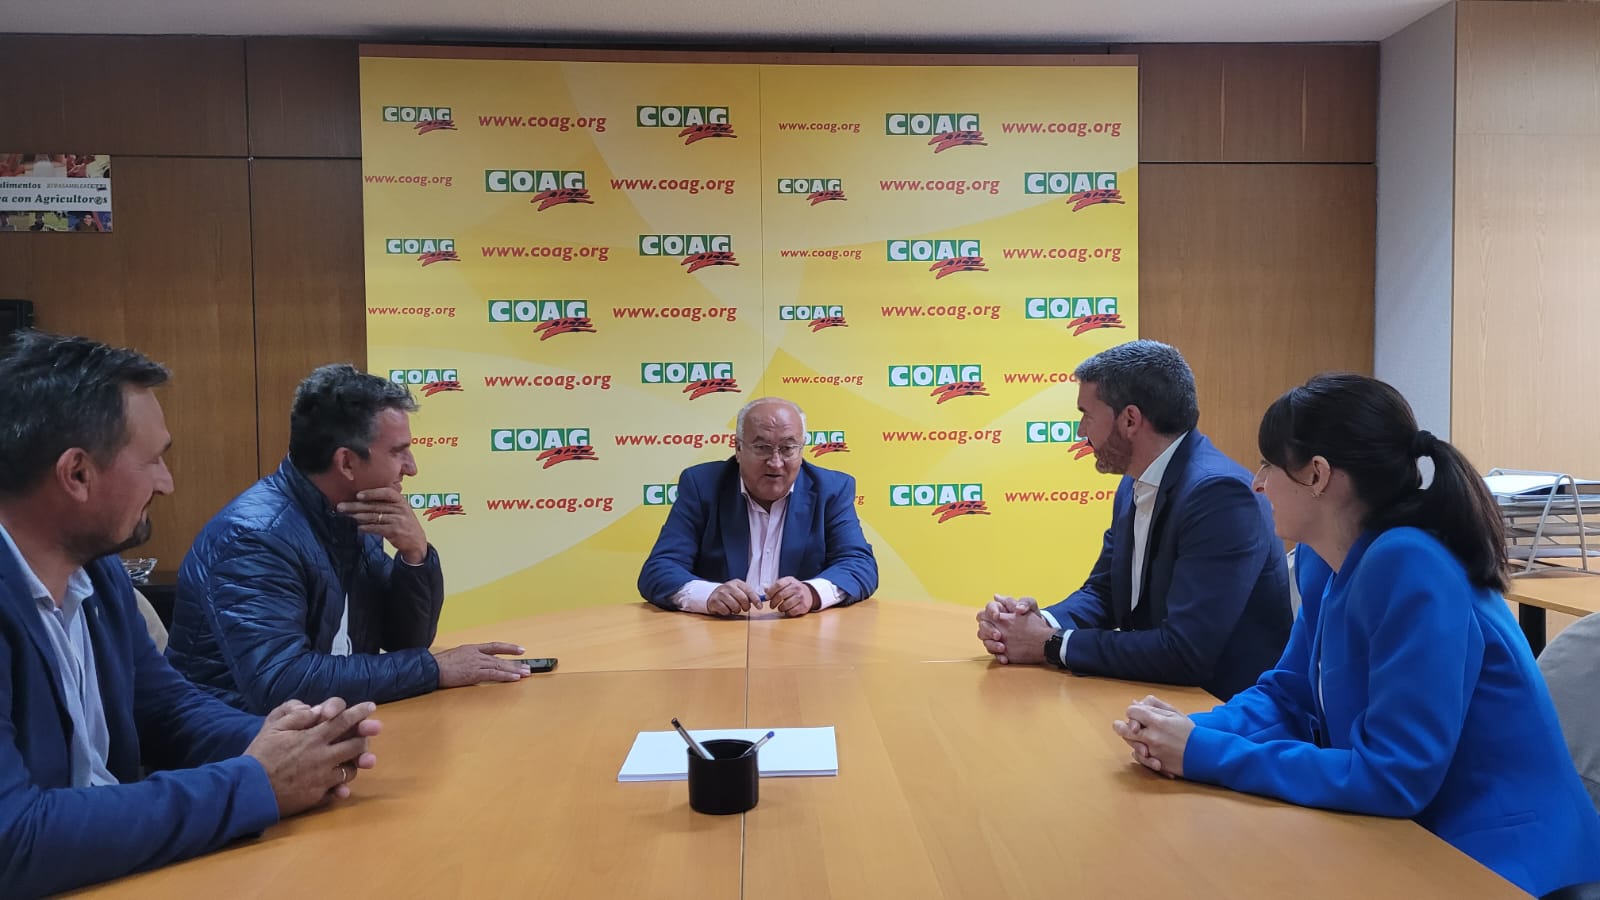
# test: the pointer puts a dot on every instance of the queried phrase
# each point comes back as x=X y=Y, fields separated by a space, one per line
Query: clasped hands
x=788 y=595
x=312 y=753
x=1158 y=733
x=1013 y=629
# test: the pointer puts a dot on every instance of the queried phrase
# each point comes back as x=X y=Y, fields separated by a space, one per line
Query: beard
x=1112 y=456
x=86 y=547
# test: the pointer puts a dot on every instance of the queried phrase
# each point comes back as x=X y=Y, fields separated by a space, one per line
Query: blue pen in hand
x=687 y=739
x=757 y=745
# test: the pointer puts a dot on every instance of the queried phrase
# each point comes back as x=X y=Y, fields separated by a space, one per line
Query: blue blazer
x=707 y=534
x=54 y=837
x=1407 y=691
x=1214 y=597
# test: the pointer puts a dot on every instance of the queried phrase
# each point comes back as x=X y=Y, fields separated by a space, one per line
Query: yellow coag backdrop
x=583 y=270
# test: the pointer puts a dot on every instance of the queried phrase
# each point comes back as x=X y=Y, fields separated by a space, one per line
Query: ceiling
x=846 y=24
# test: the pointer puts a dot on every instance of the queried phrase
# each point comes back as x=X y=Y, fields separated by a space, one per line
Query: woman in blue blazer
x=1406 y=688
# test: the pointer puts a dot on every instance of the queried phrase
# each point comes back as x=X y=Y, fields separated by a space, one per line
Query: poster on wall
x=584 y=269
x=55 y=192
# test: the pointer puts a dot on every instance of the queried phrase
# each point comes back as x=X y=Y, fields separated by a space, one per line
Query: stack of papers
x=1537 y=485
x=663 y=756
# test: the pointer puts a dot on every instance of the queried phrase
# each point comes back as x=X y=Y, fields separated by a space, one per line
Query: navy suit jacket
x=54 y=837
x=707 y=534
x=1215 y=582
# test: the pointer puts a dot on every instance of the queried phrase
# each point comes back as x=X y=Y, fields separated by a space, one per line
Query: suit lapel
x=797 y=523
x=14 y=593
x=1122 y=562
x=108 y=656
x=732 y=509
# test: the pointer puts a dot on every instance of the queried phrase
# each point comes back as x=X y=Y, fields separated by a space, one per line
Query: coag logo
x=1082 y=313
x=822 y=442
x=428 y=381
x=432 y=506
x=695 y=250
x=660 y=494
x=948 y=255
x=820 y=317
x=948 y=500
x=944 y=130
x=1060 y=433
x=421 y=118
x=698 y=378
x=947 y=380
x=549 y=187
x=427 y=250
x=554 y=316
x=554 y=445
x=1081 y=188
x=696 y=122
x=817 y=190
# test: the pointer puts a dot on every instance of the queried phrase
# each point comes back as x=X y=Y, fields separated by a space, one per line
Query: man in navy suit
x=89 y=711
x=763 y=527
x=1191 y=586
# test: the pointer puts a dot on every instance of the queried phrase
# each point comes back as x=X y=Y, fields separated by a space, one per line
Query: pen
x=757 y=745
x=693 y=744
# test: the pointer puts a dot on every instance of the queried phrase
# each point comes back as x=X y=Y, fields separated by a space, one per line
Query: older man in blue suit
x=110 y=762
x=765 y=527
x=1191 y=586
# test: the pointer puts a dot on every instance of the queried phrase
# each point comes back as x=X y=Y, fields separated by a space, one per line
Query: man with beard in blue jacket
x=288 y=592
x=111 y=763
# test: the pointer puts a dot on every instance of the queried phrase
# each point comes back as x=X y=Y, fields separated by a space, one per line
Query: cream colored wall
x=1527 y=236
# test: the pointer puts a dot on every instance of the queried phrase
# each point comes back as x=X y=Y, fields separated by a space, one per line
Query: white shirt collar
x=1153 y=473
x=79 y=587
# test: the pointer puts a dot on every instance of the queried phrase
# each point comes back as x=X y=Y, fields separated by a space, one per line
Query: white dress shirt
x=1145 y=488
x=766 y=547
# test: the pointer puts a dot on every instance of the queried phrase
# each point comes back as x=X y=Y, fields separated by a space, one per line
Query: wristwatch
x=1052 y=649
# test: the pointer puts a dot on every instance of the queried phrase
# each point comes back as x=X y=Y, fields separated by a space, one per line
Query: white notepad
x=663 y=756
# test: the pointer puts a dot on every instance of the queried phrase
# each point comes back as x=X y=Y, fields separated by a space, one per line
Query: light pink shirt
x=766 y=547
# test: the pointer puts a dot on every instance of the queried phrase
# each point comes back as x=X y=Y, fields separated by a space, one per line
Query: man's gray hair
x=744 y=411
x=1150 y=375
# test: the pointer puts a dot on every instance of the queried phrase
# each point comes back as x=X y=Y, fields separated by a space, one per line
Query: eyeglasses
x=765 y=451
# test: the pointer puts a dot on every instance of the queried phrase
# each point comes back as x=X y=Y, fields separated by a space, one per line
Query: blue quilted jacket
x=262 y=590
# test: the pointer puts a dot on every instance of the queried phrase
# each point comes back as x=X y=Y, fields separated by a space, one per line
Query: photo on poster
x=55 y=192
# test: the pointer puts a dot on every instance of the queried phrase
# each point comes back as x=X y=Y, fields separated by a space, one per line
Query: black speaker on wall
x=14 y=315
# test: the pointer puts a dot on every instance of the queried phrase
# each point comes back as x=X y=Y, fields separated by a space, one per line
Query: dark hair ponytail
x=1364 y=428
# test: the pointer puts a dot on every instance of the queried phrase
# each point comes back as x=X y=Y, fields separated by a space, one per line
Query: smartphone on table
x=542 y=664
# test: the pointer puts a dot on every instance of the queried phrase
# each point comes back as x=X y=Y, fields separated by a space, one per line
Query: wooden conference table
x=1573 y=593
x=957 y=778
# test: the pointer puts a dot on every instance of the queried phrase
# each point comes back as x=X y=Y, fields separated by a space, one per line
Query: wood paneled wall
x=1527 y=237
x=310 y=274
x=1257 y=103
x=238 y=270
x=1265 y=278
x=237 y=257
x=173 y=279
x=1257 y=218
